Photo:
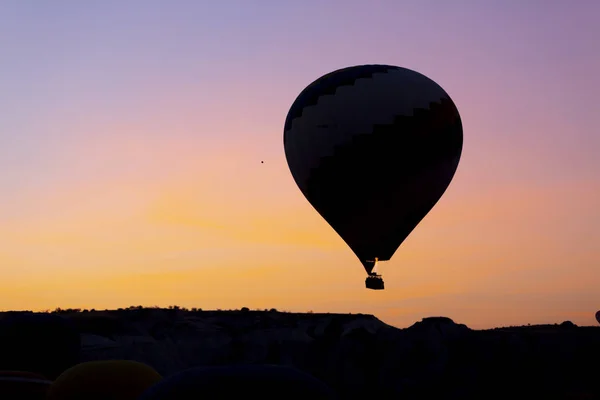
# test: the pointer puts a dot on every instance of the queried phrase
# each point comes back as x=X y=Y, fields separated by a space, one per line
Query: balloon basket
x=374 y=282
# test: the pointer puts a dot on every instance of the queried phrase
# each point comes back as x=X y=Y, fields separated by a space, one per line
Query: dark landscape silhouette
x=278 y=154
x=356 y=355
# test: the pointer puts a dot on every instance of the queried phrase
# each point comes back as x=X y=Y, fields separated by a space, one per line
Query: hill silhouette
x=357 y=355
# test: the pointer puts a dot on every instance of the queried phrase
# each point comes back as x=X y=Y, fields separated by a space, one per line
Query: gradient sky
x=131 y=135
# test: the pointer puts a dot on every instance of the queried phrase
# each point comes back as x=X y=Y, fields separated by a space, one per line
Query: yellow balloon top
x=108 y=379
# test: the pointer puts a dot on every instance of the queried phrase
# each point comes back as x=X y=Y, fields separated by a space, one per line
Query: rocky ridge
x=358 y=355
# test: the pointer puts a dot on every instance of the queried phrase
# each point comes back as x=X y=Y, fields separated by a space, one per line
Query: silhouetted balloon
x=23 y=385
x=38 y=342
x=598 y=316
x=109 y=379
x=373 y=148
x=263 y=382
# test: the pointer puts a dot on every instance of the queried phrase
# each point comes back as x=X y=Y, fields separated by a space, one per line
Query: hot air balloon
x=598 y=316
x=263 y=382
x=106 y=379
x=373 y=148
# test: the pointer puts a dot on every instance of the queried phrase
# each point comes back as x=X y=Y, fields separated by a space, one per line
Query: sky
x=132 y=134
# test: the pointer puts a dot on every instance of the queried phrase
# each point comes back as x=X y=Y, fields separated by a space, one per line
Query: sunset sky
x=132 y=134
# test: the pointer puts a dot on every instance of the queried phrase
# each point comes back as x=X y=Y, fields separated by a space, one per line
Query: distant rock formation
x=358 y=355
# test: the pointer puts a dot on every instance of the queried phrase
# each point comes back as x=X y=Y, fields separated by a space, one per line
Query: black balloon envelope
x=373 y=148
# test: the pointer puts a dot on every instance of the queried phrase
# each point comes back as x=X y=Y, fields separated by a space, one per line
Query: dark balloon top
x=265 y=382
